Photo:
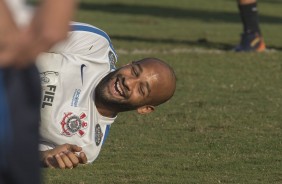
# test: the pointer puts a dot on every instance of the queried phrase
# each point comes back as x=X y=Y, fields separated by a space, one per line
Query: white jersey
x=69 y=74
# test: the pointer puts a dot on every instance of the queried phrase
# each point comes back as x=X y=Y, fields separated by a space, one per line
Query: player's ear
x=145 y=109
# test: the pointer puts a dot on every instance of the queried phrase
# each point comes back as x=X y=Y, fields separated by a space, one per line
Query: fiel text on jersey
x=48 y=96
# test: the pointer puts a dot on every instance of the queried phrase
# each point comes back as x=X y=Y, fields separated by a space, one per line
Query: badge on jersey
x=112 y=59
x=98 y=134
x=73 y=124
x=49 y=77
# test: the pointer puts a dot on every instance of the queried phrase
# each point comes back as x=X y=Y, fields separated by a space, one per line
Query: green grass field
x=224 y=124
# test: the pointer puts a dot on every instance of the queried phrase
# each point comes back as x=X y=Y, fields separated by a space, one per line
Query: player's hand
x=16 y=50
x=9 y=48
x=66 y=156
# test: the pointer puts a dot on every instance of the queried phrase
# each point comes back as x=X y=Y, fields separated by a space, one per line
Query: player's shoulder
x=103 y=44
x=89 y=29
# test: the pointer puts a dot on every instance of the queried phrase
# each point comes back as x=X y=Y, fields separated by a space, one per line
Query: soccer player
x=23 y=36
x=83 y=92
x=251 y=39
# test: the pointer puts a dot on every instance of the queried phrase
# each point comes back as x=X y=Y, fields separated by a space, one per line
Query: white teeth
x=115 y=91
x=118 y=88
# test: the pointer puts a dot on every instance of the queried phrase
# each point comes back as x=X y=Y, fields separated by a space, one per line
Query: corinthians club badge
x=73 y=124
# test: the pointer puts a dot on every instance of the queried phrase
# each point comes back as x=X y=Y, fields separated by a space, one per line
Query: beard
x=107 y=100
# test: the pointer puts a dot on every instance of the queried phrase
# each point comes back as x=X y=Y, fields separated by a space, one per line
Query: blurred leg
x=251 y=38
x=23 y=91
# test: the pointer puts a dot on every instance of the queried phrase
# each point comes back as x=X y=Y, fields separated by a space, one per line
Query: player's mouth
x=118 y=89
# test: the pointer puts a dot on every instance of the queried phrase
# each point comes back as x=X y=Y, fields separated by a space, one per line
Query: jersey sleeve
x=85 y=40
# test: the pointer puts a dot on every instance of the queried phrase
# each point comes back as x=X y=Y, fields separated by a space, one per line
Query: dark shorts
x=23 y=93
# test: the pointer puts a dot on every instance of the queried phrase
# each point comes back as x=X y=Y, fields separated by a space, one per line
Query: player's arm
x=64 y=156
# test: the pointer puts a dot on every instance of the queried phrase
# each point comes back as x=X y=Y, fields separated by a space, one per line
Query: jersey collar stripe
x=93 y=30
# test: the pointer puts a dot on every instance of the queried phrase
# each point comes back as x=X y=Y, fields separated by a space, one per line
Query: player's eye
x=134 y=71
x=141 y=90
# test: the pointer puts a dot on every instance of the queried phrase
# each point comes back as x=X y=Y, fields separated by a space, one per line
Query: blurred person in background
x=251 y=38
x=23 y=35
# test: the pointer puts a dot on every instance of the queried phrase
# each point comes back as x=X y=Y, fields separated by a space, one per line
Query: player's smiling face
x=132 y=86
x=132 y=83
